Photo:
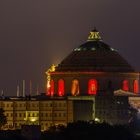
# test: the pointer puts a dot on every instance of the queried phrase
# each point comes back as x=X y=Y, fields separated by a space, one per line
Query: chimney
x=37 y=90
x=30 y=88
x=2 y=93
x=17 y=91
x=23 y=88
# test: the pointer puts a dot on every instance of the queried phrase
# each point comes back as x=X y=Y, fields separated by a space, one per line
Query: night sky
x=36 y=33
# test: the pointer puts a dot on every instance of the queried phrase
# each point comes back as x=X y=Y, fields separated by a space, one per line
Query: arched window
x=92 y=86
x=75 y=87
x=135 y=86
x=125 y=85
x=52 y=88
x=48 y=87
x=61 y=87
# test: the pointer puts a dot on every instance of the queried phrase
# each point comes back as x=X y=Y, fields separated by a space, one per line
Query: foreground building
x=92 y=83
x=36 y=111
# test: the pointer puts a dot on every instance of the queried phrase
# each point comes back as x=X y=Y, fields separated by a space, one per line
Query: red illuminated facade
x=75 y=87
x=52 y=88
x=91 y=68
x=61 y=87
x=92 y=86
x=125 y=85
x=98 y=81
x=136 y=87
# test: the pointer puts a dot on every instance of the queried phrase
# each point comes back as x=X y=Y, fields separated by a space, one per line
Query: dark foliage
x=83 y=131
x=90 y=130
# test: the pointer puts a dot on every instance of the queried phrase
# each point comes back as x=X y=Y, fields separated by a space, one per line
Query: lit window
x=92 y=86
x=61 y=87
x=75 y=87
x=48 y=88
x=52 y=88
x=135 y=86
x=125 y=85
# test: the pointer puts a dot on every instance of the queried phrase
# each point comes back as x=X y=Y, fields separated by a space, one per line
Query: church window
x=61 y=87
x=92 y=86
x=135 y=86
x=75 y=87
x=125 y=85
x=52 y=88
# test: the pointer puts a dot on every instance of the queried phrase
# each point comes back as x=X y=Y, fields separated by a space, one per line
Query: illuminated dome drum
x=90 y=68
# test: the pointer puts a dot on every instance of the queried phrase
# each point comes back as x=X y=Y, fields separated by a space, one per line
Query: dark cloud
x=36 y=33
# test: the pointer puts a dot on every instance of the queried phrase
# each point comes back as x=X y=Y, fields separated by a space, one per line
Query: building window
x=135 y=86
x=52 y=88
x=41 y=114
x=46 y=115
x=50 y=104
x=64 y=114
x=92 y=86
x=64 y=104
x=55 y=114
x=50 y=114
x=75 y=87
x=59 y=104
x=125 y=85
x=61 y=87
x=15 y=124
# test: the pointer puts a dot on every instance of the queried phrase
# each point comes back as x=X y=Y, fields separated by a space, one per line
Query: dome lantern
x=94 y=36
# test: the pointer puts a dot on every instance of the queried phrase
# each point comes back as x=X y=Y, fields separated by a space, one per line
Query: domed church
x=97 y=79
x=89 y=68
x=94 y=82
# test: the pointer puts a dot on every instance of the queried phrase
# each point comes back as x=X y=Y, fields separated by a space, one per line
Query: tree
x=3 y=119
x=133 y=112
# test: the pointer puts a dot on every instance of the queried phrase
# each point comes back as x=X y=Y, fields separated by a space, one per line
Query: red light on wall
x=61 y=87
x=125 y=85
x=75 y=88
x=135 y=86
x=52 y=88
x=48 y=87
x=92 y=86
x=48 y=91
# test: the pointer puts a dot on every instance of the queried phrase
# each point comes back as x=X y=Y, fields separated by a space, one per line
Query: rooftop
x=94 y=55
